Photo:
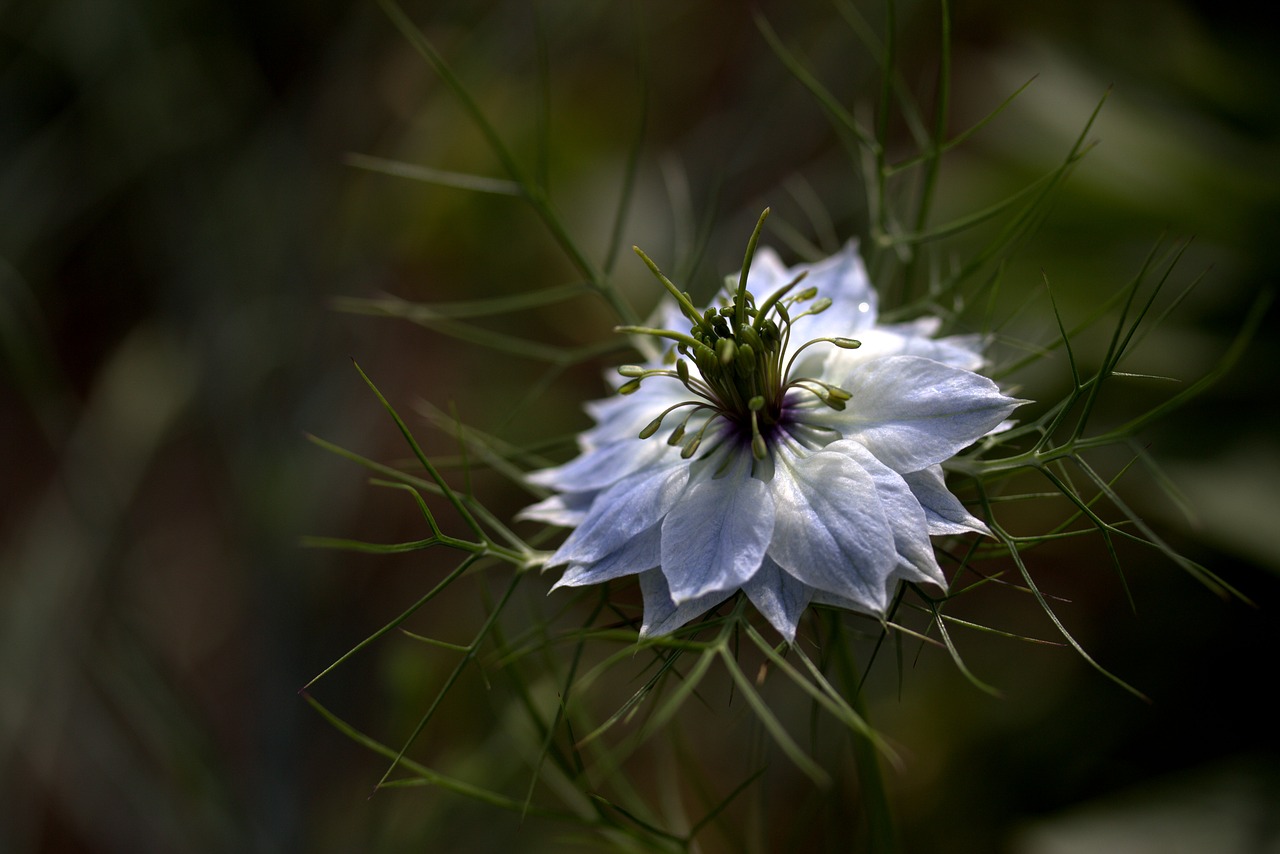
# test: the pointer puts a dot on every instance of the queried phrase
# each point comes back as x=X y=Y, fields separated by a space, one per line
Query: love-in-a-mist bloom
x=780 y=443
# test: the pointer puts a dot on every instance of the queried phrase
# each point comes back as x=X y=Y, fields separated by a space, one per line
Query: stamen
x=832 y=395
x=759 y=449
x=737 y=348
x=774 y=300
x=842 y=343
x=818 y=307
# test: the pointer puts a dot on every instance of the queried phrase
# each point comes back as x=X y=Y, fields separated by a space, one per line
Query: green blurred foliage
x=176 y=211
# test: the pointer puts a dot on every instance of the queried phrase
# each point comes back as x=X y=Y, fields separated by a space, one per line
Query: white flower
x=794 y=473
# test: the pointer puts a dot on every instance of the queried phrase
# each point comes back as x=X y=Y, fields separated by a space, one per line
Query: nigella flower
x=788 y=447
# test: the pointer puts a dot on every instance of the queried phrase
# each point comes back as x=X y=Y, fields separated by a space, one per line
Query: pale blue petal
x=965 y=347
x=842 y=278
x=831 y=531
x=620 y=512
x=621 y=417
x=824 y=597
x=715 y=536
x=641 y=552
x=958 y=351
x=767 y=274
x=602 y=467
x=779 y=597
x=835 y=365
x=913 y=412
x=943 y=511
x=922 y=327
x=916 y=558
x=661 y=614
x=566 y=510
x=1007 y=424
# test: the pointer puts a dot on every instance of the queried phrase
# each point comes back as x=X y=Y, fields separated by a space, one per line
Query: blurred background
x=177 y=211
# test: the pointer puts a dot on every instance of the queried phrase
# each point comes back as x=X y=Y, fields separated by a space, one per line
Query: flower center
x=738 y=350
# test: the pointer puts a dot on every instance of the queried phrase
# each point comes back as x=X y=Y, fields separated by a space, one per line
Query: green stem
x=875 y=798
x=534 y=193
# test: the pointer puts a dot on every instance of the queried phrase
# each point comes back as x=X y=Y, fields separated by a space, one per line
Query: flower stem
x=875 y=798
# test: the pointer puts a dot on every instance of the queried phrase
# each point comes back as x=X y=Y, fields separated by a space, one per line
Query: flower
x=796 y=474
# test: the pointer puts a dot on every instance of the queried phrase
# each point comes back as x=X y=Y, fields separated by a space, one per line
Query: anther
x=759 y=449
x=726 y=350
x=652 y=427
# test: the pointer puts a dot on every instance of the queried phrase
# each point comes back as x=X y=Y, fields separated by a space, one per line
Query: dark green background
x=175 y=213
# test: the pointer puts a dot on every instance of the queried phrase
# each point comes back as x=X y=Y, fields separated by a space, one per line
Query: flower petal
x=834 y=364
x=913 y=412
x=662 y=615
x=622 y=417
x=767 y=274
x=916 y=558
x=779 y=597
x=566 y=510
x=842 y=278
x=943 y=511
x=640 y=553
x=825 y=597
x=716 y=534
x=630 y=506
x=602 y=467
x=831 y=531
